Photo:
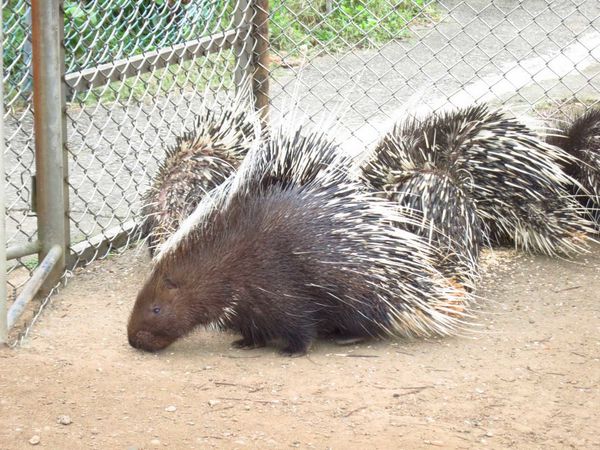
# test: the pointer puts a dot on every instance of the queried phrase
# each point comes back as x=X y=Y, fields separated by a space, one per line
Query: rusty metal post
x=49 y=126
x=261 y=59
x=3 y=266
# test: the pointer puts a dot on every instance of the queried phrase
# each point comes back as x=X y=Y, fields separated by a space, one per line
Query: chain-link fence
x=136 y=73
x=138 y=81
x=377 y=55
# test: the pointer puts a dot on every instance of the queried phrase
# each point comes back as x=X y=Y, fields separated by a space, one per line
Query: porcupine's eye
x=156 y=310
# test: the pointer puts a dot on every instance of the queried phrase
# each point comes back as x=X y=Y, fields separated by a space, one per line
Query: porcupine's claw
x=248 y=343
x=349 y=340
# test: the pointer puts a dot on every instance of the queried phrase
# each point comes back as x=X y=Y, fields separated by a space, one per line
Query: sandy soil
x=529 y=379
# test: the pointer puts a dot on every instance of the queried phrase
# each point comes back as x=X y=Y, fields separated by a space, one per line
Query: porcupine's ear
x=169 y=283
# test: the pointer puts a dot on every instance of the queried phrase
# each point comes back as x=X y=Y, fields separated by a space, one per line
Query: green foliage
x=360 y=23
x=112 y=29
x=31 y=262
x=102 y=31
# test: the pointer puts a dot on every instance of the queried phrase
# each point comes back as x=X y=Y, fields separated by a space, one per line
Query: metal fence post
x=49 y=126
x=261 y=60
x=3 y=309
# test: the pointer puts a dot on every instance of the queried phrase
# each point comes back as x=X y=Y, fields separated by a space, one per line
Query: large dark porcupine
x=580 y=137
x=199 y=161
x=513 y=178
x=291 y=247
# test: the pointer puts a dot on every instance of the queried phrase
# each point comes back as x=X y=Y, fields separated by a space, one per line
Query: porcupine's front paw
x=248 y=343
x=296 y=348
x=292 y=352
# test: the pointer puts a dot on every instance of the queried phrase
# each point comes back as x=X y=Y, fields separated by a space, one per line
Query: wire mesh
x=100 y=31
x=138 y=72
x=118 y=130
x=18 y=135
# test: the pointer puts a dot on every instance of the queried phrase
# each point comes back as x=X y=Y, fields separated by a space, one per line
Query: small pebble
x=171 y=408
x=155 y=442
x=35 y=440
x=64 y=420
x=212 y=403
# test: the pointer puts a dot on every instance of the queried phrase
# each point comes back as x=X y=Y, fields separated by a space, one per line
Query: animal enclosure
x=112 y=83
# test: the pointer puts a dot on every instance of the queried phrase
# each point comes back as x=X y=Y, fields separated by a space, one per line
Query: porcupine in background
x=199 y=161
x=405 y=168
x=580 y=137
x=496 y=167
x=289 y=248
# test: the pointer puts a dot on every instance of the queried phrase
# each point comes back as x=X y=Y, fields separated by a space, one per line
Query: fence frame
x=249 y=38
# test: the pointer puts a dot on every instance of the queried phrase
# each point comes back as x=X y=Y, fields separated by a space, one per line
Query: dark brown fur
x=252 y=269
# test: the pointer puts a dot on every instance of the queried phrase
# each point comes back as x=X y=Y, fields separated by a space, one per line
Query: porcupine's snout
x=147 y=341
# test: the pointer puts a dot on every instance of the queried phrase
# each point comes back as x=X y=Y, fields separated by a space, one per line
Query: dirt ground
x=529 y=379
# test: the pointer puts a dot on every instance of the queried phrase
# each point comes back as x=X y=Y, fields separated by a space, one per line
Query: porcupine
x=289 y=248
x=199 y=161
x=580 y=137
x=403 y=169
x=511 y=176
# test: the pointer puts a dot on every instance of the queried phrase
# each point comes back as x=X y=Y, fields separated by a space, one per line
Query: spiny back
x=580 y=137
x=514 y=178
